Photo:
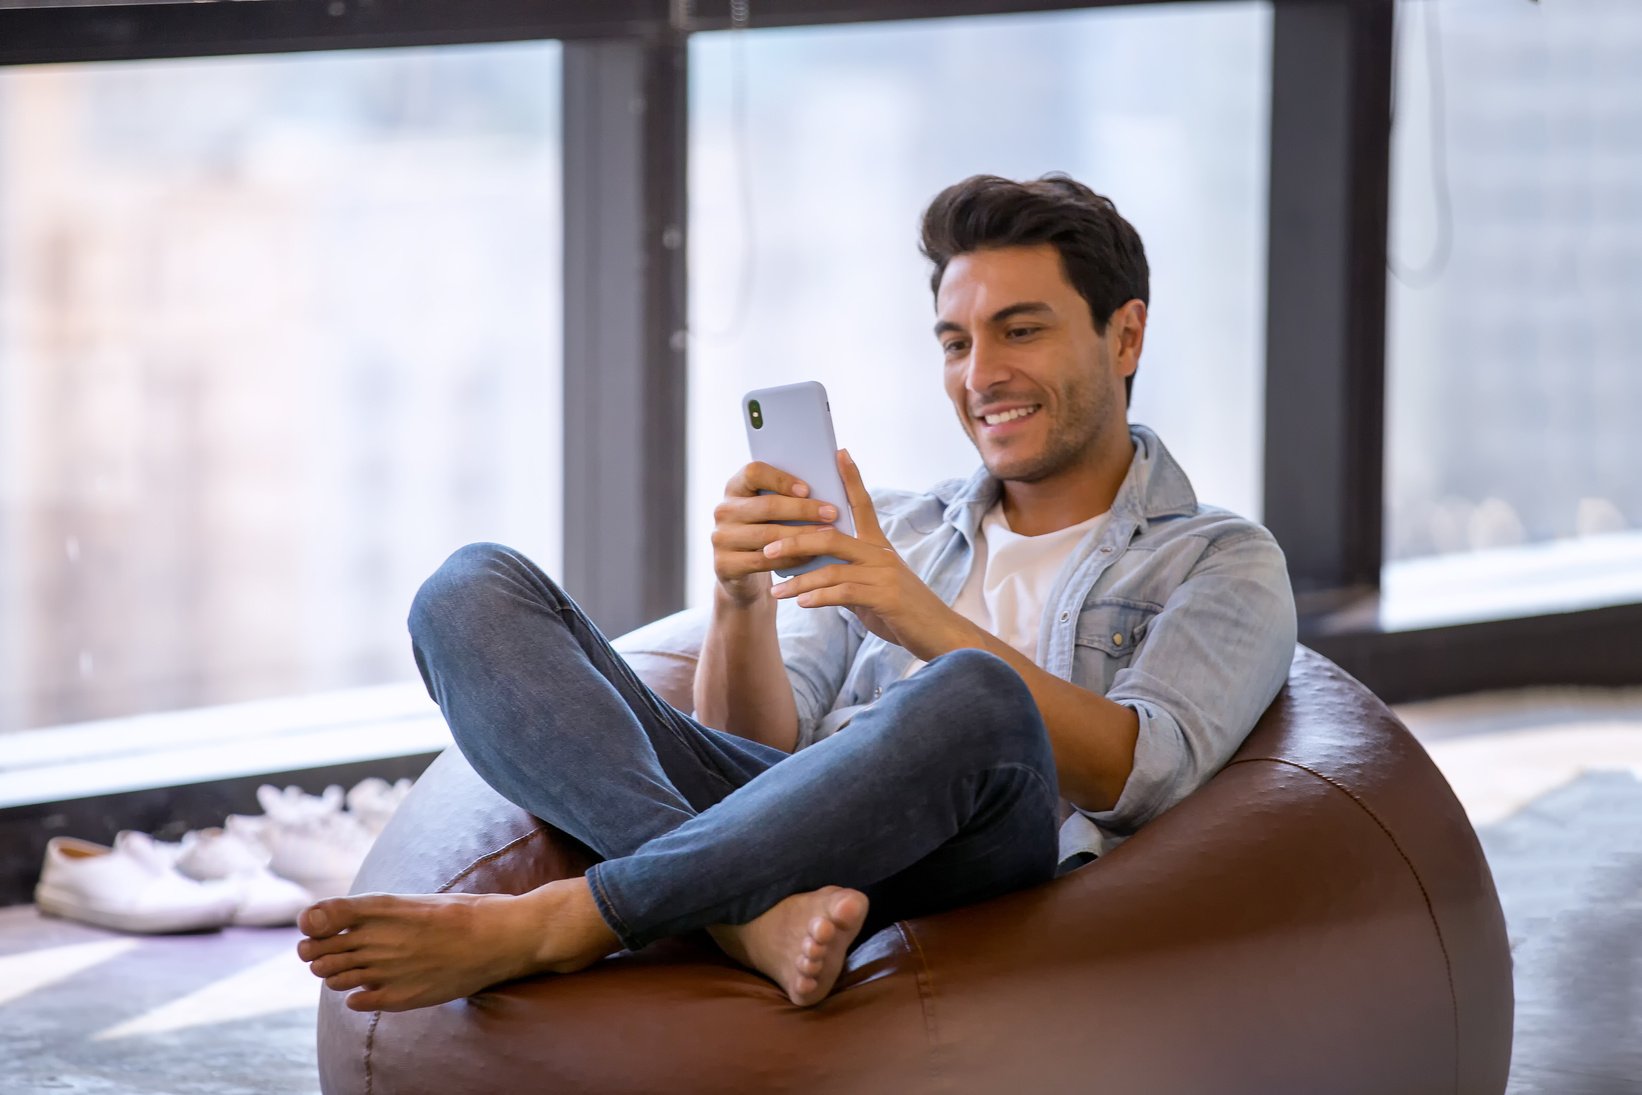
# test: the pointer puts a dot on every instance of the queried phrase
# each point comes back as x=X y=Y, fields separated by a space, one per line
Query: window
x=1514 y=341
x=276 y=335
x=814 y=151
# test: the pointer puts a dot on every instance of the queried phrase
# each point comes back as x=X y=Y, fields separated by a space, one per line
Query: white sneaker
x=281 y=808
x=310 y=839
x=321 y=855
x=265 y=900
x=130 y=887
x=293 y=806
x=373 y=801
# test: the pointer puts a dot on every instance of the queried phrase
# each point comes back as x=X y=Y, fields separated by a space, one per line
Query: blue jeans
x=940 y=794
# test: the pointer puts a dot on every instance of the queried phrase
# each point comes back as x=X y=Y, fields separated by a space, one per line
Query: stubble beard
x=1075 y=433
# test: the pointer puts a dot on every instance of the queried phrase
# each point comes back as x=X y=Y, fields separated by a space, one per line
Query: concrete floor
x=219 y=1013
x=1551 y=778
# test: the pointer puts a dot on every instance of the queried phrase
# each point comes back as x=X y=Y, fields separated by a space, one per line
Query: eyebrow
x=1025 y=307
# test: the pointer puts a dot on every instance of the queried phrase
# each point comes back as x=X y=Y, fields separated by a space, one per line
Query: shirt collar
x=1155 y=486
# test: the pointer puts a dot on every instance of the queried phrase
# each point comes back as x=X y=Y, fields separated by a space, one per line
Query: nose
x=988 y=366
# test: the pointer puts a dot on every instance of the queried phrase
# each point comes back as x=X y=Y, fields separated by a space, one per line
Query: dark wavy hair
x=1100 y=252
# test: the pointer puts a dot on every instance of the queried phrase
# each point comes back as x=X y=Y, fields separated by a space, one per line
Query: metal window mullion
x=1326 y=294
x=624 y=318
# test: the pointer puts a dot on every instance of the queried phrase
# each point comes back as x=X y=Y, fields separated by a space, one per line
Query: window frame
x=625 y=243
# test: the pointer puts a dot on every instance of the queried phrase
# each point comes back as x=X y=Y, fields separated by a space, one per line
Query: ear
x=1126 y=335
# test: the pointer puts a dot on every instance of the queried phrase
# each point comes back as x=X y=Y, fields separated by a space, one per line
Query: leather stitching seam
x=487 y=857
x=1430 y=911
x=370 y=1042
x=376 y=1017
x=926 y=1000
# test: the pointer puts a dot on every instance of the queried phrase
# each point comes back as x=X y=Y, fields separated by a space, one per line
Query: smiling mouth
x=1011 y=416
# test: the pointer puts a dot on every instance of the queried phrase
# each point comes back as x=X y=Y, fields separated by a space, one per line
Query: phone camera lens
x=755 y=414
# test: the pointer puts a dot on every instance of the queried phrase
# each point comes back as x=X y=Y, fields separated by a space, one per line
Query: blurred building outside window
x=1514 y=350
x=277 y=334
x=813 y=152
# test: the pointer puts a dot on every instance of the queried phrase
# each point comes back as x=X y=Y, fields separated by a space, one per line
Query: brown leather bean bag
x=1318 y=918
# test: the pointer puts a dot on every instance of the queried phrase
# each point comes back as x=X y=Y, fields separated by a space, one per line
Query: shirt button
x=1064 y=616
x=1106 y=549
x=876 y=692
x=1117 y=638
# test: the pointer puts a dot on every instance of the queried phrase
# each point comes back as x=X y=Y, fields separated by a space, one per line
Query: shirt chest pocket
x=1109 y=632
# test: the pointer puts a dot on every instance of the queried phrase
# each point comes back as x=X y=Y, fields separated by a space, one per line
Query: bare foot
x=394 y=953
x=799 y=943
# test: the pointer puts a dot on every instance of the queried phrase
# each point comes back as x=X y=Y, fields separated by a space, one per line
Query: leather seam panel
x=370 y=1043
x=1430 y=911
x=926 y=1001
x=376 y=1017
x=487 y=857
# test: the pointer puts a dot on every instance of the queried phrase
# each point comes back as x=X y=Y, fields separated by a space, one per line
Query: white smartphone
x=790 y=428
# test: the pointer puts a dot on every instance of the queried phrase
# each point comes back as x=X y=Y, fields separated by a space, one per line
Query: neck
x=1076 y=493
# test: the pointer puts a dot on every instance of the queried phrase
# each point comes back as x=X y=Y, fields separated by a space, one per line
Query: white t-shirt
x=1012 y=577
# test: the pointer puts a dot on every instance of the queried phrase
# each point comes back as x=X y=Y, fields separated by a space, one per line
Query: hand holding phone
x=790 y=429
x=792 y=480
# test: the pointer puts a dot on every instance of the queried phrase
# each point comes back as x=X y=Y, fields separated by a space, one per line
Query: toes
x=331 y=964
x=347 y=979
x=822 y=929
x=366 y=1000
x=310 y=949
x=810 y=967
x=325 y=918
x=848 y=908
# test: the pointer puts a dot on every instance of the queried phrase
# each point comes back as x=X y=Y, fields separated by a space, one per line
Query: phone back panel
x=797 y=438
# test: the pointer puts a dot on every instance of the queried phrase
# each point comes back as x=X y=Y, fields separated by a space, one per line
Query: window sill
x=171 y=749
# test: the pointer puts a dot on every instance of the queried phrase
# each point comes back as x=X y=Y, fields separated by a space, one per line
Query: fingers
x=833 y=584
x=860 y=502
x=758 y=476
x=824 y=540
x=834 y=593
x=766 y=509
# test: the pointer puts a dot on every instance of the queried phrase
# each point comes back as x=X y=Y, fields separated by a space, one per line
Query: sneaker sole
x=68 y=907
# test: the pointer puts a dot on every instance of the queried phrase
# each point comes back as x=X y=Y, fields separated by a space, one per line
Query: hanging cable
x=1431 y=270
x=740 y=17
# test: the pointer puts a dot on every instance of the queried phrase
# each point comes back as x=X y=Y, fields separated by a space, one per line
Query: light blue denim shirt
x=1178 y=610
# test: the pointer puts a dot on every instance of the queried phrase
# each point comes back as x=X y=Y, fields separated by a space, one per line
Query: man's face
x=1034 y=385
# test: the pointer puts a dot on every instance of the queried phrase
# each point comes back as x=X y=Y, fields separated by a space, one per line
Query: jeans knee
x=988 y=695
x=457 y=586
x=981 y=675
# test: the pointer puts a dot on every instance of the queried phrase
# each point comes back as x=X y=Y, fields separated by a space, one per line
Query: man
x=885 y=737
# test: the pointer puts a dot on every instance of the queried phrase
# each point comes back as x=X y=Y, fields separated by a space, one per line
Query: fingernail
x=773 y=549
x=828 y=513
x=847 y=456
x=801 y=489
x=318 y=922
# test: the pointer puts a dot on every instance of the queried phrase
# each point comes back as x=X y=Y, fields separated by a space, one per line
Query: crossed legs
x=941 y=793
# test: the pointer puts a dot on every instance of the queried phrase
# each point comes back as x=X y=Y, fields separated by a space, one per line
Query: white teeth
x=1009 y=416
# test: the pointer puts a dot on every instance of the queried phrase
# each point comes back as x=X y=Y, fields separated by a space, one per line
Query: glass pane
x=803 y=223
x=1515 y=348
x=276 y=335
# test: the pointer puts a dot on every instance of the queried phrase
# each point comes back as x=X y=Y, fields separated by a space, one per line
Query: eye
x=1022 y=332
x=955 y=346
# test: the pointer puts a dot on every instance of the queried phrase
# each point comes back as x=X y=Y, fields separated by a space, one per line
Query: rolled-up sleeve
x=1213 y=660
x=817 y=646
